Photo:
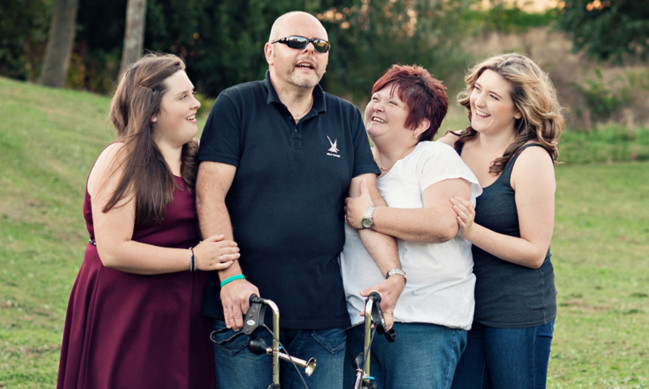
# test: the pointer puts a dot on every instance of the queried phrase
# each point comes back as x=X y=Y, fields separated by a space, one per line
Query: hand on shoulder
x=449 y=138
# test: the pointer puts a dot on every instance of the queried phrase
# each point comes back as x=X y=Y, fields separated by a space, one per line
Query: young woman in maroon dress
x=134 y=316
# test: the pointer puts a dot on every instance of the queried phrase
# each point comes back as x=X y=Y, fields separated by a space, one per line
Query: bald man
x=277 y=159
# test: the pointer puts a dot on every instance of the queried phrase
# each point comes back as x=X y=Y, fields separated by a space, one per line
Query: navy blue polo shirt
x=287 y=197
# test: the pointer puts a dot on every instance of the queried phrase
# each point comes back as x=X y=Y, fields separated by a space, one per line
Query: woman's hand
x=465 y=212
x=389 y=290
x=214 y=253
x=355 y=207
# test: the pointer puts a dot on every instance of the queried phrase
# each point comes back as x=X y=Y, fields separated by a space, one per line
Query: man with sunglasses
x=277 y=159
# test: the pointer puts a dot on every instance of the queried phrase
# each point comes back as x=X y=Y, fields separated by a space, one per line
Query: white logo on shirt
x=333 y=150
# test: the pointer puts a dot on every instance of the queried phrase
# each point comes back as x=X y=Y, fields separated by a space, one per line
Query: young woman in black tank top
x=511 y=146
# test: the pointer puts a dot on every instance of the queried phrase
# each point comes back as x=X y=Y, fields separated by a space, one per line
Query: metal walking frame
x=374 y=322
x=252 y=323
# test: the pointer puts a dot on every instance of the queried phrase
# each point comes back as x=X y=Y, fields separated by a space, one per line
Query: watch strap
x=398 y=271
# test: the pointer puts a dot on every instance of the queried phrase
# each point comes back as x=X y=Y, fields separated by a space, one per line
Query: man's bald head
x=283 y=23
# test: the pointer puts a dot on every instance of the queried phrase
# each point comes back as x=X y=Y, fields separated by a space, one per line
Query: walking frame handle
x=373 y=318
x=253 y=319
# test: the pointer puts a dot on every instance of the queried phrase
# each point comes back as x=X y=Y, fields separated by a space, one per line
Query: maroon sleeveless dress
x=125 y=330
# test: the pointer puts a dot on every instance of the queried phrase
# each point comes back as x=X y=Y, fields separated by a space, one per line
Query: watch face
x=366 y=222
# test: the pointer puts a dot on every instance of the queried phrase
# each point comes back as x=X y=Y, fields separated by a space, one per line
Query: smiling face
x=175 y=124
x=294 y=67
x=492 y=108
x=385 y=116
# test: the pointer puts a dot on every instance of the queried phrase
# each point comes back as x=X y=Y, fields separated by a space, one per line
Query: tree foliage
x=222 y=40
x=24 y=26
x=372 y=35
x=608 y=29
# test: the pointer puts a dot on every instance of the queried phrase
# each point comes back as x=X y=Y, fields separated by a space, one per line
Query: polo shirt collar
x=319 y=103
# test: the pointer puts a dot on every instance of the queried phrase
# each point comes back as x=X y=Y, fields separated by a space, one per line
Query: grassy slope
x=49 y=139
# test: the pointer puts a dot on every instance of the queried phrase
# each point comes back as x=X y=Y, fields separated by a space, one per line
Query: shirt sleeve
x=440 y=162
x=221 y=137
x=363 y=159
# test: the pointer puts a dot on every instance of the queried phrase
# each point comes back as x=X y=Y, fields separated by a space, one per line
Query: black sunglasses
x=300 y=42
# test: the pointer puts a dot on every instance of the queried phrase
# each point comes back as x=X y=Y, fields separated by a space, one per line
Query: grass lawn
x=50 y=138
x=601 y=257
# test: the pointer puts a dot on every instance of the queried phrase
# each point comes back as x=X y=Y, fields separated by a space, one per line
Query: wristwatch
x=367 y=221
x=398 y=271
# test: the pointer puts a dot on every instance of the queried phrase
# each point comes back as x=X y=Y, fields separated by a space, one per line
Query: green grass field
x=50 y=138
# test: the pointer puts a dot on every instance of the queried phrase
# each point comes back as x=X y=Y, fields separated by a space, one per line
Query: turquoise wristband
x=232 y=278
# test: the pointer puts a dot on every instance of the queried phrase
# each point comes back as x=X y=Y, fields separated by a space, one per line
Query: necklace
x=384 y=169
x=297 y=118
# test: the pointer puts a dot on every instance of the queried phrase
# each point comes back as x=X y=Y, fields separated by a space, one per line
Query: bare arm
x=449 y=138
x=434 y=223
x=534 y=182
x=212 y=185
x=114 y=231
x=382 y=248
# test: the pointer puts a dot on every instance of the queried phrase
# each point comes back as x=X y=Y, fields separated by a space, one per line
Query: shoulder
x=335 y=102
x=110 y=154
x=440 y=157
x=250 y=86
x=245 y=92
x=109 y=161
x=449 y=138
x=438 y=149
x=533 y=163
x=238 y=98
x=533 y=153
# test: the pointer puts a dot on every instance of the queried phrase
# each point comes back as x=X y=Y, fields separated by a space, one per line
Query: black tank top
x=509 y=295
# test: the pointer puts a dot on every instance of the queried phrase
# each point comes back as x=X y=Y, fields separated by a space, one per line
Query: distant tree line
x=608 y=29
x=222 y=40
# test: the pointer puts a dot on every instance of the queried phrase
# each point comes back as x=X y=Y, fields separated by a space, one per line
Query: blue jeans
x=422 y=356
x=236 y=367
x=505 y=358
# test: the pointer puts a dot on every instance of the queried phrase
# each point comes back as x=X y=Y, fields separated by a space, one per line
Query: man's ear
x=268 y=53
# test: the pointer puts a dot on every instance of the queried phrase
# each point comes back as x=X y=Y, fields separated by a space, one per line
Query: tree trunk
x=134 y=34
x=59 y=44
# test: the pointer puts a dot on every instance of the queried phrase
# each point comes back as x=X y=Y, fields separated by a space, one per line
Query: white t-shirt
x=440 y=275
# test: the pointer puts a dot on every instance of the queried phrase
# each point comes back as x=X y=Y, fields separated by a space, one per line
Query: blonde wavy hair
x=534 y=96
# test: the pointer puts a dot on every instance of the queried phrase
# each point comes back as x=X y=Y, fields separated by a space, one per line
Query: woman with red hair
x=418 y=178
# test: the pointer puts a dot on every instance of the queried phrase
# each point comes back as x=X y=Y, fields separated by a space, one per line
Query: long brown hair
x=146 y=175
x=534 y=97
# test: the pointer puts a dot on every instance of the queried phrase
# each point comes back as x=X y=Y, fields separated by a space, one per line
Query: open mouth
x=305 y=65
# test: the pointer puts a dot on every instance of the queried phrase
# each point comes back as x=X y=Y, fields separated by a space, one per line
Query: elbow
x=441 y=235
x=448 y=235
x=107 y=257
x=537 y=260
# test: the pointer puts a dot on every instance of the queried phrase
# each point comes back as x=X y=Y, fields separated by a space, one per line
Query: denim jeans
x=422 y=356
x=505 y=358
x=236 y=367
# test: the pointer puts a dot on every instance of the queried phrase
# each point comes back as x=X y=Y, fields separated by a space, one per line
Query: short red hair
x=424 y=95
